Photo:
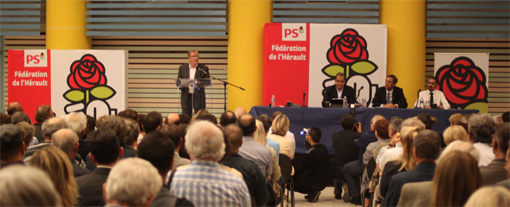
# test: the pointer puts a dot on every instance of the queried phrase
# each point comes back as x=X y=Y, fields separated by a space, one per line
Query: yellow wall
x=246 y=22
x=65 y=24
x=406 y=20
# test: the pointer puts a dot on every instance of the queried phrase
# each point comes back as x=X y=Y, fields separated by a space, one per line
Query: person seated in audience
x=227 y=117
x=56 y=163
x=152 y=121
x=253 y=150
x=419 y=193
x=489 y=196
x=27 y=133
x=457 y=176
x=240 y=111
x=453 y=133
x=67 y=141
x=353 y=170
x=198 y=113
x=426 y=149
x=458 y=119
x=132 y=182
x=132 y=133
x=185 y=118
x=207 y=117
x=49 y=127
x=344 y=150
x=204 y=178
x=252 y=175
x=20 y=116
x=14 y=107
x=312 y=176
x=100 y=120
x=172 y=118
x=12 y=146
x=481 y=128
x=140 y=126
x=129 y=114
x=279 y=128
x=495 y=171
x=77 y=122
x=158 y=149
x=506 y=183
x=506 y=117
x=266 y=123
x=4 y=119
x=289 y=135
x=105 y=151
x=27 y=186
x=174 y=133
x=42 y=113
x=260 y=137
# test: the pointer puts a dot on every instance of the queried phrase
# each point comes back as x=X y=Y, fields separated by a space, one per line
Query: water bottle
x=421 y=103
x=345 y=104
x=273 y=101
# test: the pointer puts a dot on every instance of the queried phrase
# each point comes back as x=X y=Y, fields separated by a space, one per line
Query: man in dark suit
x=396 y=98
x=339 y=90
x=495 y=171
x=105 y=151
x=196 y=96
x=427 y=146
x=344 y=150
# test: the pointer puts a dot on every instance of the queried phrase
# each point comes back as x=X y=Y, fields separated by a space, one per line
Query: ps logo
x=35 y=58
x=293 y=32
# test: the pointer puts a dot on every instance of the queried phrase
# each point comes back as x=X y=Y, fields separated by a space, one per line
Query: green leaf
x=332 y=70
x=74 y=95
x=102 y=92
x=363 y=67
x=481 y=106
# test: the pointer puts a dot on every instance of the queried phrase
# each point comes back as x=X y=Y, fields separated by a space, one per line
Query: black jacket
x=330 y=93
x=398 y=97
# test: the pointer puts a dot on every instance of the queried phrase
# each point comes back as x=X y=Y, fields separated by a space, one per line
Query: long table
x=328 y=119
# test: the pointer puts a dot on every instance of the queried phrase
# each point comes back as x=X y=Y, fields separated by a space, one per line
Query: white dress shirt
x=439 y=99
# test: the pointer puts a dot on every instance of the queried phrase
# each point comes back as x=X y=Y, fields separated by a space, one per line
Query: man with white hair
x=77 y=121
x=49 y=127
x=203 y=182
x=132 y=182
x=481 y=128
x=67 y=141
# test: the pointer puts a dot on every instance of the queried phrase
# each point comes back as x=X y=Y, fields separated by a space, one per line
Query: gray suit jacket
x=199 y=93
x=415 y=194
x=494 y=172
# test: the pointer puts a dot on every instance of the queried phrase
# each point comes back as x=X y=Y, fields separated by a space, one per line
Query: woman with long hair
x=280 y=127
x=56 y=163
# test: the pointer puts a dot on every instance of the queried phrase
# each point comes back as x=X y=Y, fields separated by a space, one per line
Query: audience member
x=344 y=150
x=185 y=118
x=100 y=120
x=20 y=116
x=240 y=111
x=495 y=171
x=456 y=177
x=4 y=119
x=204 y=178
x=132 y=133
x=506 y=116
x=121 y=130
x=481 y=128
x=132 y=182
x=260 y=137
x=253 y=150
x=67 y=141
x=42 y=113
x=27 y=186
x=312 y=177
x=427 y=119
x=77 y=122
x=175 y=135
x=207 y=117
x=14 y=107
x=172 y=118
x=227 y=117
x=49 y=127
x=56 y=163
x=426 y=150
x=12 y=146
x=506 y=183
x=489 y=196
x=27 y=133
x=289 y=135
x=152 y=121
x=105 y=151
x=279 y=128
x=129 y=114
x=453 y=133
x=252 y=175
x=266 y=123
x=198 y=113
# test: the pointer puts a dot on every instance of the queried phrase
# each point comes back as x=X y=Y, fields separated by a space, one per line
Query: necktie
x=431 y=98
x=388 y=99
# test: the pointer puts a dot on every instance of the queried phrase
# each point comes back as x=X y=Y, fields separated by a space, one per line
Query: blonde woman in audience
x=456 y=177
x=27 y=186
x=489 y=196
x=56 y=163
x=260 y=137
x=454 y=132
x=280 y=127
x=465 y=146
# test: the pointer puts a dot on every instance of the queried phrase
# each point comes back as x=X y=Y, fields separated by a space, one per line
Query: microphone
x=203 y=71
x=417 y=99
x=359 y=91
x=304 y=95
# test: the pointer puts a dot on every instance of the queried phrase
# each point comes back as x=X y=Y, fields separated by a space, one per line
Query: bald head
x=375 y=119
x=66 y=140
x=240 y=111
x=14 y=107
x=234 y=136
x=247 y=123
x=172 y=118
x=52 y=125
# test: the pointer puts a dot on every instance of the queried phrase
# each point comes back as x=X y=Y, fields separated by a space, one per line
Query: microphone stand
x=225 y=83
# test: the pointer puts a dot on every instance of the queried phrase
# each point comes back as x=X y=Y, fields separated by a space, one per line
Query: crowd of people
x=133 y=159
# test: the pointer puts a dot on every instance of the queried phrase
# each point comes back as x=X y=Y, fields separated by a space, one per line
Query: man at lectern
x=192 y=96
x=431 y=98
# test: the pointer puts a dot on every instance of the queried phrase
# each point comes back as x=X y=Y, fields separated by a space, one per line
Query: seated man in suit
x=339 y=90
x=495 y=171
x=105 y=151
x=390 y=96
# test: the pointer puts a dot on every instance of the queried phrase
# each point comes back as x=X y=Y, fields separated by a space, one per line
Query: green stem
x=87 y=92
x=347 y=69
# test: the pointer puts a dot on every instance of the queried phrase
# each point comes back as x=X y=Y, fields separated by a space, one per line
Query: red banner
x=286 y=63
x=29 y=79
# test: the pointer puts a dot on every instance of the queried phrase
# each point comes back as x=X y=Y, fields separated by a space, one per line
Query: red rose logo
x=86 y=73
x=347 y=48
x=462 y=82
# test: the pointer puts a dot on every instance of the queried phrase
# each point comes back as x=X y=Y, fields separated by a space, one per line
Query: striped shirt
x=204 y=183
